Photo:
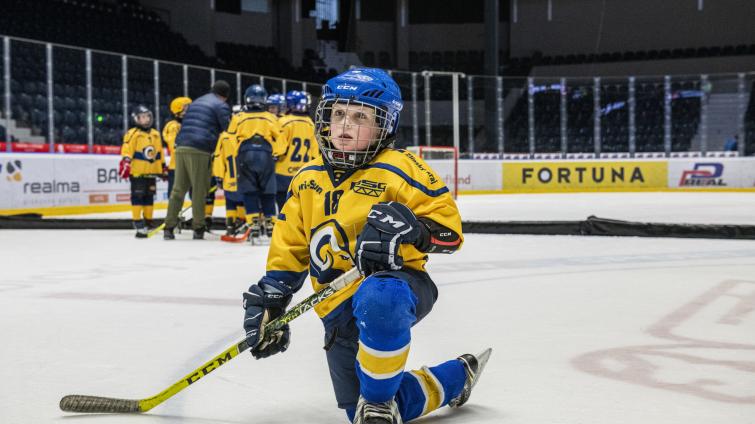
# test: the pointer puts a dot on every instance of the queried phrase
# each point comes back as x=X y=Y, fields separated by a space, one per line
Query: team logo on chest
x=149 y=153
x=368 y=188
x=329 y=254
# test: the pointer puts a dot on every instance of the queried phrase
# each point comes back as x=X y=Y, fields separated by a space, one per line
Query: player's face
x=273 y=109
x=144 y=119
x=352 y=126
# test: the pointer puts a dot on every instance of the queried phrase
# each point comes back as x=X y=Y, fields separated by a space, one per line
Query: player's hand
x=264 y=302
x=388 y=226
x=124 y=168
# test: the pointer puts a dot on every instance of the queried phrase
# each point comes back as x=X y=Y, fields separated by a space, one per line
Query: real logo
x=347 y=87
x=703 y=174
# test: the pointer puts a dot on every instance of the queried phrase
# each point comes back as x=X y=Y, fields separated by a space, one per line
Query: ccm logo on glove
x=387 y=219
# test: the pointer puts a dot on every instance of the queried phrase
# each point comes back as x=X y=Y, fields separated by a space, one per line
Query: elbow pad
x=435 y=238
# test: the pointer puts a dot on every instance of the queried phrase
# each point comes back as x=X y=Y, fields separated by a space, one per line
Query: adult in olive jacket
x=205 y=119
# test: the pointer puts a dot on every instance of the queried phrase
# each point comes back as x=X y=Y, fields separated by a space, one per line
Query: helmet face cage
x=381 y=128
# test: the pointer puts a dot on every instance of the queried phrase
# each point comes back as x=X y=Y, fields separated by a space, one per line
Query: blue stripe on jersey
x=281 y=217
x=292 y=279
x=412 y=182
x=140 y=156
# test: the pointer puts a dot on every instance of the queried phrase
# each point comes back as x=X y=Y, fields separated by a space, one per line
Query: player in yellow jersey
x=178 y=108
x=298 y=134
x=142 y=160
x=224 y=169
x=365 y=204
x=256 y=131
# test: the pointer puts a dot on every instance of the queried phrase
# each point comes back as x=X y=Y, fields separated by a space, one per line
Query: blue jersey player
x=363 y=203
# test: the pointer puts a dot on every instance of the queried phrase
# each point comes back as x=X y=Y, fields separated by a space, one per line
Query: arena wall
x=81 y=183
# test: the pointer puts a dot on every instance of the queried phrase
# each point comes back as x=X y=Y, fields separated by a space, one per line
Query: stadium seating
x=122 y=27
x=614 y=122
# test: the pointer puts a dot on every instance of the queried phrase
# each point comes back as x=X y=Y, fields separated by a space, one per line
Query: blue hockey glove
x=264 y=302
x=388 y=226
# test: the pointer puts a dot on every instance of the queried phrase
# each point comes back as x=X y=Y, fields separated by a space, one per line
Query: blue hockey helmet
x=297 y=101
x=255 y=96
x=358 y=101
x=276 y=104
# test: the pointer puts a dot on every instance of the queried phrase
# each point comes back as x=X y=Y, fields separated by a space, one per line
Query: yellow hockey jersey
x=317 y=228
x=224 y=161
x=170 y=131
x=145 y=150
x=246 y=125
x=298 y=135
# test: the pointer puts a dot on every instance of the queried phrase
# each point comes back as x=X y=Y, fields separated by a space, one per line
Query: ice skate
x=377 y=413
x=473 y=367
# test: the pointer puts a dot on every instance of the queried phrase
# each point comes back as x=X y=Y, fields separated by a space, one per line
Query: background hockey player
x=205 y=119
x=276 y=104
x=225 y=170
x=178 y=108
x=298 y=135
x=383 y=210
x=142 y=160
x=256 y=131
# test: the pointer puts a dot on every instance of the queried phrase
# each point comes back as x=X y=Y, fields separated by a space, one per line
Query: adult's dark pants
x=193 y=170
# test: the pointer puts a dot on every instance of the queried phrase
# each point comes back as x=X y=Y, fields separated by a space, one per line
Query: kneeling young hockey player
x=365 y=204
x=142 y=160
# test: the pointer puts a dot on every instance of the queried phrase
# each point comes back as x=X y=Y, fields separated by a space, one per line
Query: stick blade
x=236 y=239
x=156 y=230
x=97 y=404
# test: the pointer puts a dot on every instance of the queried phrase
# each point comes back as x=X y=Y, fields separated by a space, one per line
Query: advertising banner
x=711 y=173
x=473 y=175
x=34 y=180
x=566 y=176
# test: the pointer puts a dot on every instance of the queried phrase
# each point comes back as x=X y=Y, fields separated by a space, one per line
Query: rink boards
x=81 y=183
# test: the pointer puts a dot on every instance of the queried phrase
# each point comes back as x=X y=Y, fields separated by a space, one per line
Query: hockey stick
x=180 y=216
x=237 y=239
x=97 y=404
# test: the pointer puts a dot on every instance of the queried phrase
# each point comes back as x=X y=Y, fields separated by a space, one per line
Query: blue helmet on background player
x=255 y=97
x=357 y=116
x=276 y=104
x=297 y=101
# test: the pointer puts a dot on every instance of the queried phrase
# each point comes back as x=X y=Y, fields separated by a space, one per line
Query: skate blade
x=482 y=360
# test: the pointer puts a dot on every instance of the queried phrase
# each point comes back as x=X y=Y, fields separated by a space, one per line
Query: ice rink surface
x=584 y=329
